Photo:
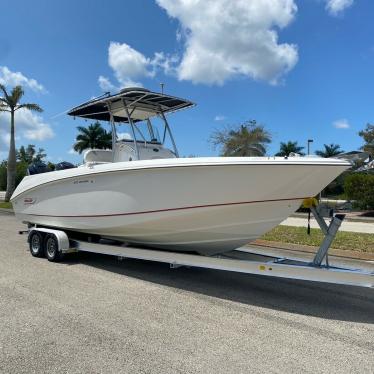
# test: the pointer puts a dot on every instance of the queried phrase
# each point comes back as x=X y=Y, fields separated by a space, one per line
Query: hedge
x=360 y=187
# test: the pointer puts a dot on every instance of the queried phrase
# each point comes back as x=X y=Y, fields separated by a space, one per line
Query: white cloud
x=72 y=152
x=336 y=7
x=341 y=124
x=29 y=126
x=219 y=117
x=10 y=79
x=106 y=85
x=124 y=136
x=5 y=137
x=224 y=39
x=165 y=62
x=243 y=42
x=128 y=64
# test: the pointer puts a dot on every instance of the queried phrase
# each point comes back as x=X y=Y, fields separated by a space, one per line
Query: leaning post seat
x=98 y=156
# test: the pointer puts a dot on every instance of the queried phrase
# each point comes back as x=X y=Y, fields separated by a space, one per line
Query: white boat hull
x=209 y=205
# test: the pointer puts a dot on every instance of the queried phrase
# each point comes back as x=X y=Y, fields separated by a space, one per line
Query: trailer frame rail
x=239 y=260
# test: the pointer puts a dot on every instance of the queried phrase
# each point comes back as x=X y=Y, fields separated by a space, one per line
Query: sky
x=302 y=68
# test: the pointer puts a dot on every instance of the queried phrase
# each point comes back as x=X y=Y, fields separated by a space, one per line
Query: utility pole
x=309 y=141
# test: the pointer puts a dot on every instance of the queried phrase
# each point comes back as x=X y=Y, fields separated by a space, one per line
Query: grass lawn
x=352 y=241
x=3 y=204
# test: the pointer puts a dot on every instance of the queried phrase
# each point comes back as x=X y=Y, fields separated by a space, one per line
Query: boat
x=142 y=193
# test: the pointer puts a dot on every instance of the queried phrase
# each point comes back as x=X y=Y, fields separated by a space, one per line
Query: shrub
x=360 y=187
x=336 y=187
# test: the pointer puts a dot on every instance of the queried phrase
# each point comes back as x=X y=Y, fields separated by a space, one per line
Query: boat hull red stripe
x=167 y=209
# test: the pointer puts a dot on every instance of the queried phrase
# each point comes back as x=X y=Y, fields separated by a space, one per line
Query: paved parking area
x=95 y=314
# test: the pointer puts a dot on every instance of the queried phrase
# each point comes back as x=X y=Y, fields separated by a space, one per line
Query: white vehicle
x=144 y=194
x=146 y=198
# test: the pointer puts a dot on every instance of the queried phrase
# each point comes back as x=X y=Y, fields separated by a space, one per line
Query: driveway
x=96 y=314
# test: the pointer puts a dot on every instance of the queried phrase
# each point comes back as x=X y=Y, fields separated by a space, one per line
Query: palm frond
x=16 y=94
x=247 y=139
x=32 y=107
x=81 y=137
x=93 y=136
x=290 y=147
x=3 y=108
x=330 y=150
x=5 y=92
x=82 y=129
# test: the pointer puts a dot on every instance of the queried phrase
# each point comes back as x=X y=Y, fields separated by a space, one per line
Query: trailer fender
x=62 y=238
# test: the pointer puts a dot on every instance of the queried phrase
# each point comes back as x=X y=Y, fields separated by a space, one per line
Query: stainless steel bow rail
x=53 y=243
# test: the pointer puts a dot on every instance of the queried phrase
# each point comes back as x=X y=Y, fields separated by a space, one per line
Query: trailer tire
x=36 y=244
x=51 y=249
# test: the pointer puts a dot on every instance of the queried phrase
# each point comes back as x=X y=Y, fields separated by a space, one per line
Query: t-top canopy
x=140 y=103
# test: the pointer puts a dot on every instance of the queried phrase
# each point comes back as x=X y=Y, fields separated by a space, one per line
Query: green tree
x=92 y=137
x=3 y=169
x=330 y=150
x=248 y=139
x=360 y=187
x=290 y=147
x=368 y=135
x=11 y=103
x=30 y=155
x=21 y=169
x=51 y=166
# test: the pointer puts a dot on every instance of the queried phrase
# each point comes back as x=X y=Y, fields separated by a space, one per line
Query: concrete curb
x=6 y=210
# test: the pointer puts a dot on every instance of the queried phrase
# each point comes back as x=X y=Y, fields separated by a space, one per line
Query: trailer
x=54 y=243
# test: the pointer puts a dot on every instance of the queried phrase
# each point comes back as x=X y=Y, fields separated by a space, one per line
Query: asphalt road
x=95 y=314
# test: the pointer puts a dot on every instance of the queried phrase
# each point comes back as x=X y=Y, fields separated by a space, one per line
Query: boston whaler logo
x=28 y=200
x=82 y=181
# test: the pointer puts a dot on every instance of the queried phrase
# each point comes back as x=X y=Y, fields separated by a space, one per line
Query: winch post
x=330 y=233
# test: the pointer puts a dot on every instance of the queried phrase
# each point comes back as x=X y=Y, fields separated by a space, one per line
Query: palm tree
x=289 y=147
x=330 y=150
x=93 y=136
x=249 y=139
x=11 y=103
x=29 y=154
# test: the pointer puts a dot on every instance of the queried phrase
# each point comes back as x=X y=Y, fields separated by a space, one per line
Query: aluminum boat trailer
x=53 y=243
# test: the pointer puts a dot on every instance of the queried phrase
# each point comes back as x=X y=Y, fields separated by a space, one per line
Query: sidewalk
x=350 y=216
x=352 y=226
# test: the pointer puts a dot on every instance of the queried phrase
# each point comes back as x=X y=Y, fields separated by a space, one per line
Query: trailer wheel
x=51 y=249
x=36 y=244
